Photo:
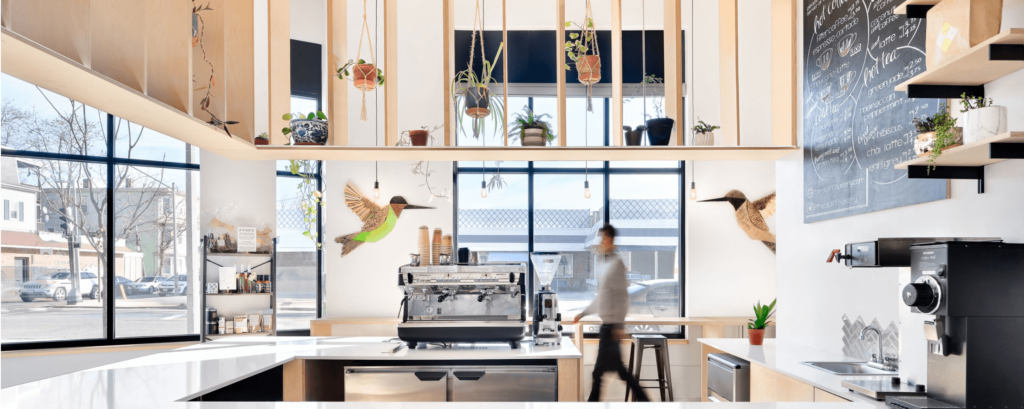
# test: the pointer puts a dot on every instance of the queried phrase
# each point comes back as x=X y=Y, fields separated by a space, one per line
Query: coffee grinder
x=546 y=318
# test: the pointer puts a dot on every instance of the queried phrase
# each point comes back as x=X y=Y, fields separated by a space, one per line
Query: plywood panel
x=560 y=60
x=169 y=53
x=337 y=55
x=5 y=13
x=674 y=70
x=239 y=77
x=295 y=381
x=60 y=25
x=728 y=67
x=616 y=131
x=391 y=72
x=569 y=375
x=504 y=67
x=449 y=71
x=119 y=41
x=208 y=59
x=280 y=72
x=825 y=396
x=783 y=72
x=767 y=385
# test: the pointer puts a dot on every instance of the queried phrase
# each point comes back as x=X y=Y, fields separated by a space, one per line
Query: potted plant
x=471 y=95
x=262 y=139
x=588 y=66
x=981 y=118
x=365 y=77
x=704 y=134
x=936 y=133
x=306 y=129
x=310 y=196
x=530 y=129
x=634 y=137
x=756 y=326
x=417 y=137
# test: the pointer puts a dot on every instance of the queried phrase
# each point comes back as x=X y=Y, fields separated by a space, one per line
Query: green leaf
x=361 y=61
x=572 y=36
x=286 y=117
x=306 y=233
x=320 y=114
x=590 y=23
x=568 y=24
x=286 y=131
x=567 y=67
x=311 y=116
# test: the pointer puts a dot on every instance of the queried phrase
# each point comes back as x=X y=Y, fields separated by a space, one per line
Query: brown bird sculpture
x=378 y=221
x=750 y=215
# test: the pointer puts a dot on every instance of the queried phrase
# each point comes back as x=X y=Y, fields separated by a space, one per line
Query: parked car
x=126 y=284
x=148 y=284
x=657 y=298
x=57 y=286
x=633 y=278
x=167 y=286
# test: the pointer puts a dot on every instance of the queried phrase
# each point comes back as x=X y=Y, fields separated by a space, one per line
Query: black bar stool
x=640 y=343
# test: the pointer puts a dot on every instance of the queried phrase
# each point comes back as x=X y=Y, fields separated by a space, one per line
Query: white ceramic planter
x=704 y=139
x=984 y=123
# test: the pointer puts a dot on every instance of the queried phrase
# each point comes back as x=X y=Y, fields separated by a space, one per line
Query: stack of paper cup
x=446 y=245
x=424 y=245
x=435 y=249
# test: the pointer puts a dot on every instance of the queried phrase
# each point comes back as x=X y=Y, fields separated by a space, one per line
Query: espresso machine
x=547 y=328
x=463 y=303
x=973 y=295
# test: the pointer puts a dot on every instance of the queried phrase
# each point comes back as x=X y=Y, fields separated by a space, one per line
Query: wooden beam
x=120 y=41
x=169 y=53
x=674 y=69
x=337 y=56
x=560 y=60
x=295 y=380
x=60 y=25
x=390 y=72
x=279 y=70
x=519 y=153
x=504 y=65
x=784 y=72
x=616 y=62
x=239 y=77
x=208 y=57
x=728 y=68
x=569 y=387
x=449 y=71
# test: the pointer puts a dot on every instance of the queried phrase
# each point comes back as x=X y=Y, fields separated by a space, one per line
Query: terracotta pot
x=308 y=131
x=533 y=137
x=419 y=138
x=756 y=336
x=261 y=142
x=659 y=131
x=364 y=76
x=589 y=68
x=478 y=102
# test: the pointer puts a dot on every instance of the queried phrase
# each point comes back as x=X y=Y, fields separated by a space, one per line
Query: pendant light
x=376 y=106
x=693 y=181
x=586 y=164
x=483 y=138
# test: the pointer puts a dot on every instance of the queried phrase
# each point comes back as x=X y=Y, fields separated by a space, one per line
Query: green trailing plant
x=345 y=74
x=925 y=125
x=310 y=197
x=761 y=315
x=468 y=79
x=703 y=127
x=946 y=133
x=576 y=47
x=639 y=88
x=968 y=103
x=527 y=120
x=318 y=115
x=496 y=182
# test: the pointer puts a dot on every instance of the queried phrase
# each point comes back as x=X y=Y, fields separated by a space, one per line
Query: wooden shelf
x=519 y=153
x=234 y=294
x=241 y=254
x=972 y=68
x=244 y=334
x=38 y=65
x=972 y=154
x=902 y=8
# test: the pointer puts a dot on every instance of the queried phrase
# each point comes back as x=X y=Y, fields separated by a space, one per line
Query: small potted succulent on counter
x=704 y=134
x=306 y=129
x=756 y=326
x=530 y=129
x=981 y=118
x=262 y=139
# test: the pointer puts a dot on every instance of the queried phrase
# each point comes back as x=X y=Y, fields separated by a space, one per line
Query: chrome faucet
x=879 y=360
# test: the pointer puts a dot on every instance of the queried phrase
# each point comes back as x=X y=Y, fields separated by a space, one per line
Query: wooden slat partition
x=209 y=55
x=60 y=25
x=337 y=56
x=561 y=59
x=504 y=64
x=390 y=72
x=239 y=78
x=784 y=72
x=674 y=70
x=728 y=48
x=280 y=72
x=169 y=53
x=616 y=63
x=448 y=26
x=120 y=39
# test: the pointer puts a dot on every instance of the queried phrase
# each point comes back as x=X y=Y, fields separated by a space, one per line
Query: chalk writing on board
x=856 y=127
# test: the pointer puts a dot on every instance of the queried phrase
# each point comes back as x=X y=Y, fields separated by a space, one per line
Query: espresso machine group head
x=547 y=328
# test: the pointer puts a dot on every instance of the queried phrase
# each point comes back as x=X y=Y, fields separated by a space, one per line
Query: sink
x=849 y=368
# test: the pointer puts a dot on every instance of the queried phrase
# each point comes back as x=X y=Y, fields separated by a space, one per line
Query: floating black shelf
x=949 y=172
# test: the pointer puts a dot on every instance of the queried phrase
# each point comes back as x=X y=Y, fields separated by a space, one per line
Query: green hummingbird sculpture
x=378 y=221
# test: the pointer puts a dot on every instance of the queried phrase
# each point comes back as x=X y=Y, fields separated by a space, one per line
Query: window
x=73 y=169
x=298 y=265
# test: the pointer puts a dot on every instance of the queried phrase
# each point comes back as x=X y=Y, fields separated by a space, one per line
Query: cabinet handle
x=469 y=376
x=430 y=376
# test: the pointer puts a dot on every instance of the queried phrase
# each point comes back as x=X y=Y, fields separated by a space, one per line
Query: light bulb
x=376 y=190
x=483 y=189
x=693 y=191
x=586 y=189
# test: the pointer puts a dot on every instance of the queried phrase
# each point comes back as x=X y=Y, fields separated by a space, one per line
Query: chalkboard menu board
x=856 y=128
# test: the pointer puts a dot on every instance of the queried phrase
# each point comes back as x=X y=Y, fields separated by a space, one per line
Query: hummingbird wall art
x=378 y=221
x=751 y=215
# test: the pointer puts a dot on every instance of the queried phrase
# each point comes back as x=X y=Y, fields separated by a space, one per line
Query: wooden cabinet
x=767 y=385
x=821 y=395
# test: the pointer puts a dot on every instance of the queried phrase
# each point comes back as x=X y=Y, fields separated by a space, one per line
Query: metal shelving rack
x=272 y=260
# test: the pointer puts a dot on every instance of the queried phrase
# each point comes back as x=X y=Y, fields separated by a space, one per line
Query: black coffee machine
x=975 y=290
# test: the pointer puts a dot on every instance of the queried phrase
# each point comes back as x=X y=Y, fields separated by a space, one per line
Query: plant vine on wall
x=198 y=30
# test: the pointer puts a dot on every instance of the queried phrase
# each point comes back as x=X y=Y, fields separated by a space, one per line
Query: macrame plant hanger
x=592 y=73
x=366 y=85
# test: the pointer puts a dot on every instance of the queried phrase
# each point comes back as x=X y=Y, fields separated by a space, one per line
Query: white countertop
x=162 y=380
x=786 y=357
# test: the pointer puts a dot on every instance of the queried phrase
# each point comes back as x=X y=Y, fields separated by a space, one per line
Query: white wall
x=814 y=296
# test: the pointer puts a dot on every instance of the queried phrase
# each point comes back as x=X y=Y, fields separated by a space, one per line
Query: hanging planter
x=588 y=66
x=470 y=92
x=365 y=77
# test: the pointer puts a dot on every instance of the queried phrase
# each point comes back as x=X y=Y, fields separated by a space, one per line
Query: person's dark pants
x=609 y=359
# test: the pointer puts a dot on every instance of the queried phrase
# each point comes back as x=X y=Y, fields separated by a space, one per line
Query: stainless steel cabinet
x=396 y=384
x=504 y=384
